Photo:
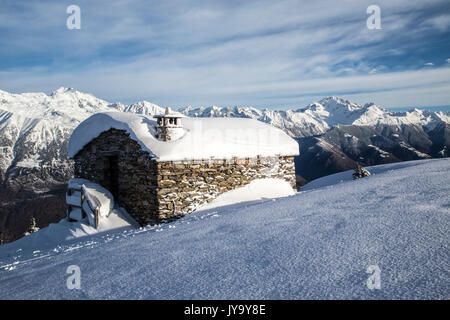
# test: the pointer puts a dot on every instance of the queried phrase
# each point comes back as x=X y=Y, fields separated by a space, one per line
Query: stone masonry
x=152 y=190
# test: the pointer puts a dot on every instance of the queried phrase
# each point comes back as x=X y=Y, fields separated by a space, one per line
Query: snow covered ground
x=63 y=233
x=316 y=244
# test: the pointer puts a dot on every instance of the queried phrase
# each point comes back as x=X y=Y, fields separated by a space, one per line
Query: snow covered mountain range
x=333 y=134
x=319 y=117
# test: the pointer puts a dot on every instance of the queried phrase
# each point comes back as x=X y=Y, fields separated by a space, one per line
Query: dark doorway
x=112 y=176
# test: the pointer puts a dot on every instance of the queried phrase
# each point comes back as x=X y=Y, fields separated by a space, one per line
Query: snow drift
x=258 y=189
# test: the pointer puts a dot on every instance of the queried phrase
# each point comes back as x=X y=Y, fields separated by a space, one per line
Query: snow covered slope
x=316 y=244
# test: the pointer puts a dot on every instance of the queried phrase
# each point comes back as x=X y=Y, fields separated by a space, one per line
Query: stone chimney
x=169 y=126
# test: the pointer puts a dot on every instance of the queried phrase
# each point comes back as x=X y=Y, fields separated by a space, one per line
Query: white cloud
x=429 y=64
x=448 y=60
x=441 y=23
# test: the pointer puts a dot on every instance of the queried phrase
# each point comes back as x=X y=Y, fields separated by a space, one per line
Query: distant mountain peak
x=63 y=90
x=334 y=101
x=145 y=108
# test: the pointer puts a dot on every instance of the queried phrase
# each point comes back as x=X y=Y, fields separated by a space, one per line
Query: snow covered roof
x=204 y=138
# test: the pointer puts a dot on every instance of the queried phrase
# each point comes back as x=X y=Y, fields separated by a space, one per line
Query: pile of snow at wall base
x=204 y=138
x=88 y=197
x=256 y=190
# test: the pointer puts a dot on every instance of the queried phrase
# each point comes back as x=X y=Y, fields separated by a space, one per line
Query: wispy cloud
x=441 y=22
x=261 y=53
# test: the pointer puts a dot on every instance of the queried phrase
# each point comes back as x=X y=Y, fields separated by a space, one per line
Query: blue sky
x=249 y=53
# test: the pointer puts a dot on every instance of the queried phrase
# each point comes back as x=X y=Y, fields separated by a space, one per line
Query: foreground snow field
x=316 y=244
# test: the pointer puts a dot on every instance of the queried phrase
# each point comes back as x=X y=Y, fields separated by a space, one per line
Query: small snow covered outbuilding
x=161 y=169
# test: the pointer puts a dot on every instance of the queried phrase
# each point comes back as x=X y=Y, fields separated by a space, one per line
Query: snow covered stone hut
x=161 y=169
